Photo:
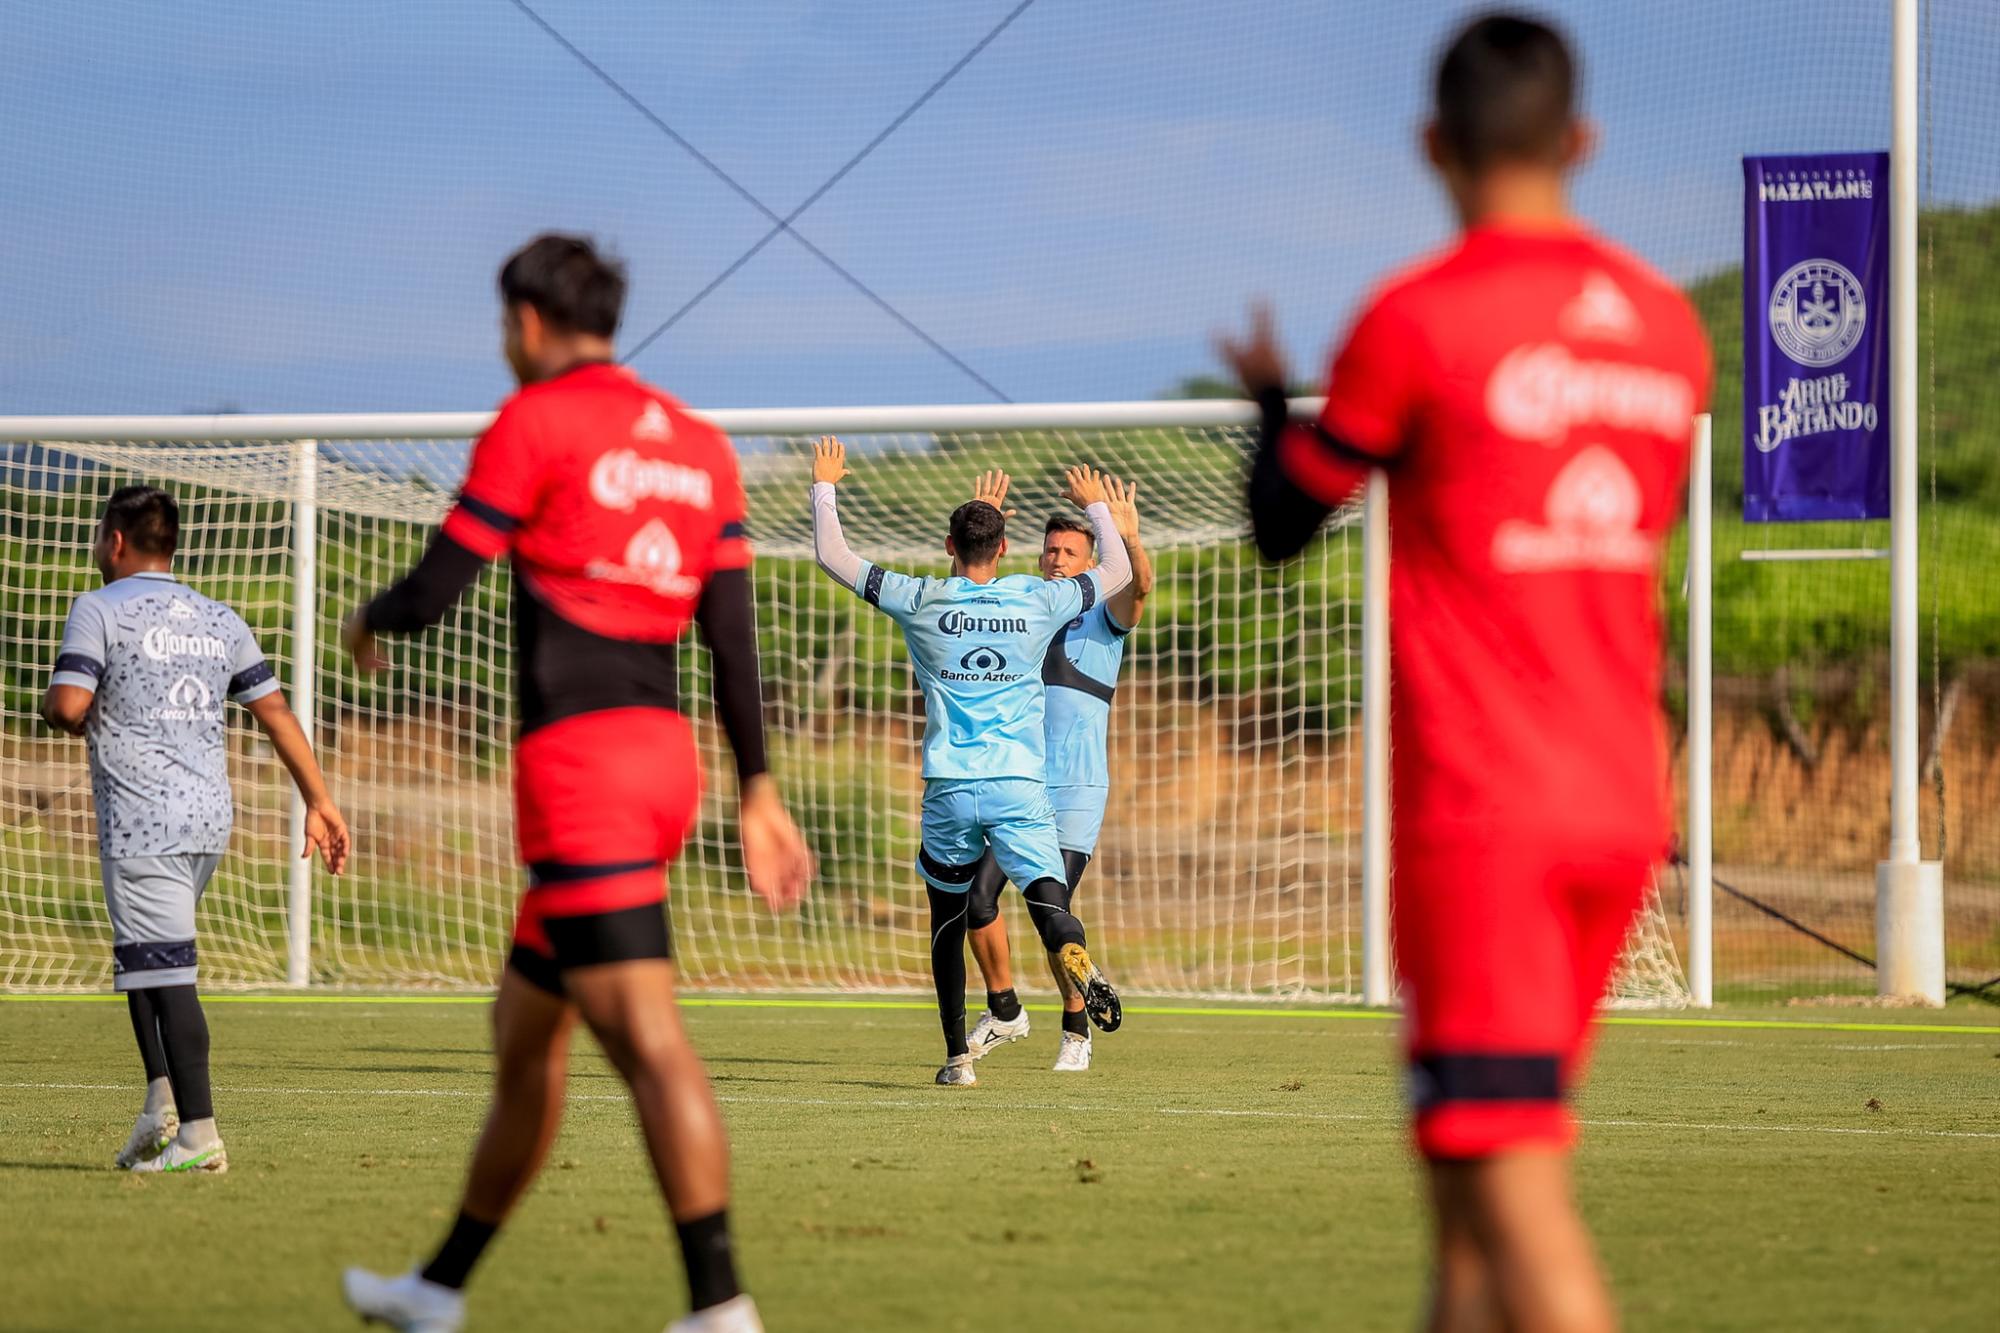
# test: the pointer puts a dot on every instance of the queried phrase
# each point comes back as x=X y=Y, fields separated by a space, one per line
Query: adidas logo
x=653 y=424
x=1601 y=312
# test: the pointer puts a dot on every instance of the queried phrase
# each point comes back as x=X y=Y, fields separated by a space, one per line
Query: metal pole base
x=1909 y=931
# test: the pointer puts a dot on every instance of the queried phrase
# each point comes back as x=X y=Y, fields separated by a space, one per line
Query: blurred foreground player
x=622 y=516
x=1529 y=393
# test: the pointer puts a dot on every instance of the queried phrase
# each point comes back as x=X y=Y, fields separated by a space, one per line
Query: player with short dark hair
x=977 y=642
x=1080 y=674
x=144 y=667
x=1529 y=394
x=622 y=515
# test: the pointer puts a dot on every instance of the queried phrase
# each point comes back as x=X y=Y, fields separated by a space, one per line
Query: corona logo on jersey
x=956 y=623
x=652 y=560
x=1541 y=391
x=161 y=643
x=1591 y=518
x=180 y=611
x=622 y=478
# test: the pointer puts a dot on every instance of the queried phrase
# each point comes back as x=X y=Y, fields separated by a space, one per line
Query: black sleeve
x=728 y=621
x=420 y=599
x=1283 y=518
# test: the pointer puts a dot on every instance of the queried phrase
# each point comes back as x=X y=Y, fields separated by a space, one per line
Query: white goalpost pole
x=305 y=695
x=1377 y=987
x=1909 y=891
x=1701 y=717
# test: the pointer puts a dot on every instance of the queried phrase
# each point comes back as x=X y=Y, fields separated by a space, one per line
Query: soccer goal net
x=1230 y=863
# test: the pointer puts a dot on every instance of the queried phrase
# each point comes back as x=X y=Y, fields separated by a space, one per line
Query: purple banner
x=1815 y=337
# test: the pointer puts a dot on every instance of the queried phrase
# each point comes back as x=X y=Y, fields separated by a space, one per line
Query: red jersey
x=1531 y=396
x=616 y=506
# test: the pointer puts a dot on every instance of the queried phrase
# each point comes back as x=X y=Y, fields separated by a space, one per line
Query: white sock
x=159 y=1096
x=199 y=1135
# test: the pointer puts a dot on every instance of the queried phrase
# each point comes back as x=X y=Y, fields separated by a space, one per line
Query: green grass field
x=1215 y=1171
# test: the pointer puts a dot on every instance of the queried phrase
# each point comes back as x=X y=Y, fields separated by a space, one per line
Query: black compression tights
x=948 y=965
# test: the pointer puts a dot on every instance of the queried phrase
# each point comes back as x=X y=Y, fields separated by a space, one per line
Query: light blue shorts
x=963 y=817
x=1079 y=817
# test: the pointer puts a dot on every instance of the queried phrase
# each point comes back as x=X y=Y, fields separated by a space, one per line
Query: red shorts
x=602 y=803
x=1503 y=959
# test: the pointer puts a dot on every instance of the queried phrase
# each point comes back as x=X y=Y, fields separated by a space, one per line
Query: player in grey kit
x=143 y=670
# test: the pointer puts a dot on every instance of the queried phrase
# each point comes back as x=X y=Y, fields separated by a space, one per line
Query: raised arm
x=1084 y=488
x=1304 y=470
x=325 y=829
x=1283 y=518
x=829 y=546
x=1126 y=608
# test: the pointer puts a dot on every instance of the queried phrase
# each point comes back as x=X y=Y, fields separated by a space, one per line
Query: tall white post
x=305 y=694
x=1377 y=987
x=1701 y=717
x=1909 y=892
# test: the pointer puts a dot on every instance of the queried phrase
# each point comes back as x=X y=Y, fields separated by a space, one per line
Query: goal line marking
x=956 y=1102
x=1167 y=1011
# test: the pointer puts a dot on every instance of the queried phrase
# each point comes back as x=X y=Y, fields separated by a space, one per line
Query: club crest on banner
x=1818 y=312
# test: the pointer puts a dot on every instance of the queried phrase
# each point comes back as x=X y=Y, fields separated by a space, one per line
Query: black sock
x=948 y=965
x=711 y=1267
x=461 y=1250
x=1076 y=1022
x=1004 y=1005
x=184 y=1035
x=146 y=1027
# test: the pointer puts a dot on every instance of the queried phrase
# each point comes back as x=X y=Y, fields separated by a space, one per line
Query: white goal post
x=1245 y=849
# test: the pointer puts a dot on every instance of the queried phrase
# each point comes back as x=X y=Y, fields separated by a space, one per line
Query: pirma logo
x=1817 y=312
x=983 y=659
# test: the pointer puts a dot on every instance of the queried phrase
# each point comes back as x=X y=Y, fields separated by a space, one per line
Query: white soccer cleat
x=174 y=1158
x=150 y=1136
x=405 y=1302
x=957 y=1073
x=738 y=1314
x=1073 y=1055
x=990 y=1032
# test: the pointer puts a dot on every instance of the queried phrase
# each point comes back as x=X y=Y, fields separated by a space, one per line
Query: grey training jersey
x=161 y=658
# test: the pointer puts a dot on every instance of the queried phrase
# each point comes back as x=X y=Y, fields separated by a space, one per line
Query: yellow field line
x=1172 y=1011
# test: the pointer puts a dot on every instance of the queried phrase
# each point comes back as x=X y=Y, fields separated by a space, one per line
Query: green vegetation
x=1211 y=1172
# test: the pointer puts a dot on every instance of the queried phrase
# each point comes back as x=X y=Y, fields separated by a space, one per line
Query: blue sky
x=293 y=207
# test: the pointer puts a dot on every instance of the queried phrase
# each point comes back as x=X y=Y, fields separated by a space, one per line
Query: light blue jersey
x=978 y=650
x=1081 y=673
